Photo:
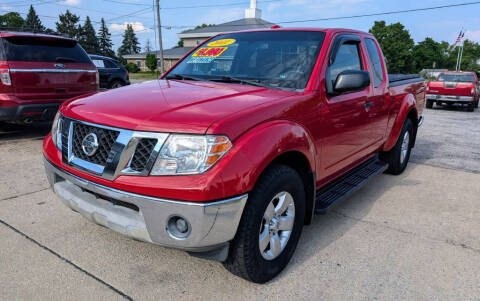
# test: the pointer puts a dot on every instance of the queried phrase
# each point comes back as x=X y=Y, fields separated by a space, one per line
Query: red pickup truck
x=238 y=145
x=38 y=72
x=451 y=87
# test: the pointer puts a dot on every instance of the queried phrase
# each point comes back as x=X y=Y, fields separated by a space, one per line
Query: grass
x=144 y=75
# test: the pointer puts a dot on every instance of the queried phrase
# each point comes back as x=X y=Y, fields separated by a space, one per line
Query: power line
x=127 y=3
x=384 y=13
x=353 y=16
x=215 y=5
x=192 y=6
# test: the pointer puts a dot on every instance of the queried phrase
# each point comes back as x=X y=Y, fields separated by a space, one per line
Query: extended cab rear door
x=377 y=106
x=48 y=69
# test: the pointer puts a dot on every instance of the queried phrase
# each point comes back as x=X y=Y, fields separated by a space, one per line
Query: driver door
x=346 y=134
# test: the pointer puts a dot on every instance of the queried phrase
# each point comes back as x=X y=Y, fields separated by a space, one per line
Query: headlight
x=190 y=154
x=56 y=130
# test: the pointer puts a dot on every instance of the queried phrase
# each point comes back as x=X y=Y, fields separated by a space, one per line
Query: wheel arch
x=299 y=162
x=276 y=142
x=407 y=110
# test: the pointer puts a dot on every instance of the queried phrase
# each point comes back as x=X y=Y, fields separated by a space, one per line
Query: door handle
x=368 y=104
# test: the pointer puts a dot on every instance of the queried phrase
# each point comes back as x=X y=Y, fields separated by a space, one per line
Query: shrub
x=132 y=68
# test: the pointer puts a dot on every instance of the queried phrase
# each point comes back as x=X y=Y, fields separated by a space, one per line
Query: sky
x=441 y=24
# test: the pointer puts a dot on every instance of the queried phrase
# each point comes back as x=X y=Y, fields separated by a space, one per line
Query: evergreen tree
x=68 y=25
x=130 y=44
x=104 y=41
x=32 y=22
x=88 y=38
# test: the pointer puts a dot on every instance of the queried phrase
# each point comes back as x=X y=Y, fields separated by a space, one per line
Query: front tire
x=398 y=157
x=471 y=107
x=270 y=227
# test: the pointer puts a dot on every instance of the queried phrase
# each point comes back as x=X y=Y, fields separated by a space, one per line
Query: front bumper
x=450 y=98
x=146 y=218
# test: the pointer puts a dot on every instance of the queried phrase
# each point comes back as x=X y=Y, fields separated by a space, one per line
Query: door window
x=348 y=58
x=376 y=61
x=109 y=64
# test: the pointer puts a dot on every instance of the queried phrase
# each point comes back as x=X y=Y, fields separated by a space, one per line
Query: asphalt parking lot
x=414 y=236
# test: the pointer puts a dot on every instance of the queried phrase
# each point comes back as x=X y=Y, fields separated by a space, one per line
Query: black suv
x=112 y=73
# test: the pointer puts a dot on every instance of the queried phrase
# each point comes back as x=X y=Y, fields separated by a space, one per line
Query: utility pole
x=160 y=46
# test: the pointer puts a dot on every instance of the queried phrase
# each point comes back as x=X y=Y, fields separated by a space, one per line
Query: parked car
x=451 y=87
x=237 y=146
x=38 y=72
x=112 y=73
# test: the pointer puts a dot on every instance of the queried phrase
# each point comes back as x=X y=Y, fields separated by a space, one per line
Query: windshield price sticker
x=222 y=42
x=209 y=52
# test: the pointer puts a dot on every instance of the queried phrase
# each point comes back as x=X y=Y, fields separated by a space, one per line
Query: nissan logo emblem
x=90 y=144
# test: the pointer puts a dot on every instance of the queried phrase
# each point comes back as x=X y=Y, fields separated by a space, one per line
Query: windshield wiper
x=64 y=59
x=183 y=77
x=229 y=79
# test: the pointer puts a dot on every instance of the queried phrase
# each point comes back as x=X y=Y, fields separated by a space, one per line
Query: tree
x=151 y=61
x=88 y=38
x=32 y=22
x=179 y=44
x=148 y=46
x=68 y=26
x=12 y=21
x=104 y=41
x=430 y=54
x=397 y=46
x=130 y=44
x=470 y=56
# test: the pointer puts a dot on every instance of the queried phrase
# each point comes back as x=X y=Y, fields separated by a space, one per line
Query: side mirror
x=351 y=80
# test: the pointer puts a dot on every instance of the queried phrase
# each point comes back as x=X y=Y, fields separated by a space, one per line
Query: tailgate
x=451 y=88
x=49 y=81
x=46 y=68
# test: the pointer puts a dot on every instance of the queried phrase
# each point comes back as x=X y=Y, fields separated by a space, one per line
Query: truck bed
x=401 y=79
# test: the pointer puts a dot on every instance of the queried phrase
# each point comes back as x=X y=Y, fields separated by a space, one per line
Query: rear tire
x=429 y=104
x=258 y=260
x=116 y=84
x=398 y=157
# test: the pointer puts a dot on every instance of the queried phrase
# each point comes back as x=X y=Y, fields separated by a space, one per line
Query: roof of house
x=172 y=53
x=237 y=25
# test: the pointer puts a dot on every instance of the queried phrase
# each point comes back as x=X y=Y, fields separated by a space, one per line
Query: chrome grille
x=106 y=139
x=119 y=152
x=142 y=154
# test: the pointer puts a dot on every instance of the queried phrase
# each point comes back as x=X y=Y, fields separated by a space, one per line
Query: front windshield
x=281 y=59
x=459 y=78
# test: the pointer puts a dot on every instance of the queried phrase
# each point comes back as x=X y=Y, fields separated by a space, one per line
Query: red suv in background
x=38 y=72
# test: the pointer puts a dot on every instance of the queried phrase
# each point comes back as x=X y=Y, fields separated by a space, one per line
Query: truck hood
x=169 y=105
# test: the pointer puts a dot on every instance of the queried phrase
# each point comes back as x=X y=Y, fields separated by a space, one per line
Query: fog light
x=178 y=227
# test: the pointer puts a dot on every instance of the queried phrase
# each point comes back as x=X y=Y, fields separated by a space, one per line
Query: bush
x=132 y=68
x=151 y=61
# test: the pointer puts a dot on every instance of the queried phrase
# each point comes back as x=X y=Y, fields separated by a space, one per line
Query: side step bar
x=341 y=188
